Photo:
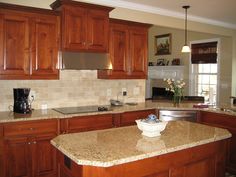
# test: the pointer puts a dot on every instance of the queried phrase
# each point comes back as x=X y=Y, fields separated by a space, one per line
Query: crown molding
x=160 y=11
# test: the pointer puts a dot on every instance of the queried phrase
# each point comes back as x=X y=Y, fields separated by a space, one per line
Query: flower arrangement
x=177 y=87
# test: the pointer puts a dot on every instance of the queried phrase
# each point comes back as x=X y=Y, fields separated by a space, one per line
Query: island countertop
x=105 y=148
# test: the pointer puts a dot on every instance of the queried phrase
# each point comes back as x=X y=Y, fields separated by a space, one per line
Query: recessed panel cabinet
x=84 y=26
x=27 y=149
x=128 y=51
x=29 y=45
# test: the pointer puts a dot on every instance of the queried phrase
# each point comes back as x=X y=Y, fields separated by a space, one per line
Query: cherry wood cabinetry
x=29 y=43
x=27 y=148
x=206 y=160
x=85 y=27
x=227 y=122
x=128 y=118
x=128 y=50
x=86 y=123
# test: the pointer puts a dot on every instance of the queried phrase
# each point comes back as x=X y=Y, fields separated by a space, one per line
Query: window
x=204 y=69
x=205 y=76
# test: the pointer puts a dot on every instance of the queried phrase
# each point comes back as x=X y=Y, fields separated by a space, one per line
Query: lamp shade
x=186 y=49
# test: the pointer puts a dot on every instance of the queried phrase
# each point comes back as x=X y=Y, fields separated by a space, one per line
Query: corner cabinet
x=128 y=50
x=29 y=44
x=85 y=27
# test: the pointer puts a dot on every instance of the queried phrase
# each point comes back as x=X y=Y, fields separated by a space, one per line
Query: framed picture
x=163 y=44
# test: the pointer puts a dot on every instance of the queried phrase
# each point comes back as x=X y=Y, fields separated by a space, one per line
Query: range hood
x=85 y=61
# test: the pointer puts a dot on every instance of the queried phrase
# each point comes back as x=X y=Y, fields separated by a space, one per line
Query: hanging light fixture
x=186 y=48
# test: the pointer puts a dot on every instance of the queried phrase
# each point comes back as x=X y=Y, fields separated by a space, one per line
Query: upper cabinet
x=29 y=43
x=85 y=27
x=128 y=50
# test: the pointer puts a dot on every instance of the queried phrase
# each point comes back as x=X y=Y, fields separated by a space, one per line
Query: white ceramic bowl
x=151 y=129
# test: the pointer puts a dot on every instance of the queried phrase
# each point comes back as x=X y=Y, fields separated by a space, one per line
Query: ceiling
x=221 y=11
x=215 y=12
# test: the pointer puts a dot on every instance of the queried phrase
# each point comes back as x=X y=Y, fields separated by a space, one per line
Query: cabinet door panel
x=18 y=158
x=45 y=47
x=74 y=28
x=138 y=53
x=119 y=49
x=128 y=118
x=86 y=123
x=45 y=156
x=97 y=35
x=14 y=55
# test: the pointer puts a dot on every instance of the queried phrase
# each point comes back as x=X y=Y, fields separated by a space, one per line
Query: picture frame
x=163 y=44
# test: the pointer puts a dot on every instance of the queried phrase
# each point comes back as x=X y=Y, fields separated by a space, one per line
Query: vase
x=176 y=100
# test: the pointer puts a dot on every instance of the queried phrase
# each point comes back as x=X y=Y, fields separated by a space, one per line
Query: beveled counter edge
x=138 y=157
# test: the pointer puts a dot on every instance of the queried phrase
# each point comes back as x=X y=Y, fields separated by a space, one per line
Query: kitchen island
x=183 y=149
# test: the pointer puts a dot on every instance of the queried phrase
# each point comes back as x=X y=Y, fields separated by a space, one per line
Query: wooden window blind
x=204 y=53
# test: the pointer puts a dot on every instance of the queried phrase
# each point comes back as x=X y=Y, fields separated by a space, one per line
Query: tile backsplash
x=75 y=88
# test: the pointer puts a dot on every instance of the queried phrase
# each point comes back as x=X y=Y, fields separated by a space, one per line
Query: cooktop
x=82 y=109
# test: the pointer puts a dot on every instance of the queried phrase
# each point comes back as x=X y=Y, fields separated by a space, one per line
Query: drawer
x=30 y=127
x=128 y=118
x=86 y=123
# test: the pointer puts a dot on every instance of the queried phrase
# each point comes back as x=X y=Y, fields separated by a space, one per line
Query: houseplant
x=177 y=87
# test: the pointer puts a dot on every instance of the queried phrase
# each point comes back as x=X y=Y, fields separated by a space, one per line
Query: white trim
x=160 y=11
x=192 y=80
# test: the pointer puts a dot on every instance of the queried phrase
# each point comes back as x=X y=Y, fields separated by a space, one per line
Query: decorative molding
x=160 y=11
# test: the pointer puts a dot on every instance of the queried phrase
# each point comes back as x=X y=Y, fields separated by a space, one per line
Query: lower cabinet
x=86 y=123
x=128 y=118
x=30 y=154
x=228 y=122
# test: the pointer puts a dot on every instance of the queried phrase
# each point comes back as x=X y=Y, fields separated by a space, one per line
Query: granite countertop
x=49 y=114
x=105 y=148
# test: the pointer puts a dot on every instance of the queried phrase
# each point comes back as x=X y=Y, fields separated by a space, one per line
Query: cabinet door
x=74 y=26
x=118 y=50
x=87 y=123
x=138 y=53
x=14 y=46
x=97 y=31
x=128 y=118
x=44 y=43
x=18 y=157
x=44 y=156
x=223 y=121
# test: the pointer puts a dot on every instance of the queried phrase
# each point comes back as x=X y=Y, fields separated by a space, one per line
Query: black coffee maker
x=21 y=101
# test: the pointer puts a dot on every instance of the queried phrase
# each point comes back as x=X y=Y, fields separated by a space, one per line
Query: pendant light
x=186 y=48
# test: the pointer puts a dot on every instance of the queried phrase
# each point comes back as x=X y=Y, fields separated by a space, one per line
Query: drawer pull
x=32 y=128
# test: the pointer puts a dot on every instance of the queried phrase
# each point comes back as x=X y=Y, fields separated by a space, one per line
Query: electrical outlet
x=32 y=95
x=136 y=90
x=124 y=91
x=108 y=92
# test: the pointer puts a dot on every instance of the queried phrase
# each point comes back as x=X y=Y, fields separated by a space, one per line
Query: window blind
x=204 y=53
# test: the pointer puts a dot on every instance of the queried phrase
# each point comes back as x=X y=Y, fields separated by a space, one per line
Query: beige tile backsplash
x=75 y=88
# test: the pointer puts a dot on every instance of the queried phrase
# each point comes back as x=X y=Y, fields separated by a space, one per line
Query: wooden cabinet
x=84 y=26
x=128 y=51
x=28 y=151
x=128 y=118
x=200 y=161
x=29 y=44
x=227 y=122
x=86 y=123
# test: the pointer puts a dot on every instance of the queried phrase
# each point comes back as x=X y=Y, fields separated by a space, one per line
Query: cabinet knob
x=84 y=43
x=34 y=142
x=29 y=142
x=32 y=128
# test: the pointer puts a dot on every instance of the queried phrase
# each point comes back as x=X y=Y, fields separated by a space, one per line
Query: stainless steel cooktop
x=82 y=109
